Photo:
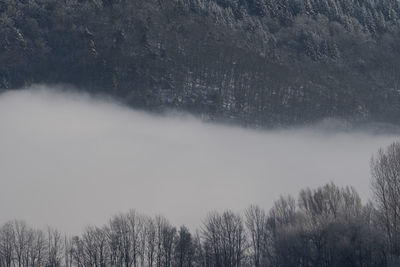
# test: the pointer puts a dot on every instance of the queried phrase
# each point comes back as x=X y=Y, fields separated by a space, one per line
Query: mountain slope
x=257 y=62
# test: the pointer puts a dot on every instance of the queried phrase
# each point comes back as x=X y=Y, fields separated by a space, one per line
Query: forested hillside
x=258 y=62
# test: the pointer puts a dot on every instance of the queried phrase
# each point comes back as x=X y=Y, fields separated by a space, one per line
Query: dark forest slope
x=263 y=62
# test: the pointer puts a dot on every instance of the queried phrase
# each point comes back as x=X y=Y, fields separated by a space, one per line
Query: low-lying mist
x=69 y=160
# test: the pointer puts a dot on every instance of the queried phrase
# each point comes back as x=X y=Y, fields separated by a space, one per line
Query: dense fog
x=69 y=160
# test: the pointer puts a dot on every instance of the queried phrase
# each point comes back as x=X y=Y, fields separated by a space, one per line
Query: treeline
x=326 y=226
x=259 y=62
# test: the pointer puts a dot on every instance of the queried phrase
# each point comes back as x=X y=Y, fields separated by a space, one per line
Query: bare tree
x=256 y=223
x=224 y=238
x=20 y=241
x=34 y=248
x=385 y=170
x=94 y=245
x=283 y=210
x=280 y=219
x=165 y=235
x=150 y=244
x=184 y=248
x=136 y=227
x=54 y=248
x=68 y=251
x=7 y=244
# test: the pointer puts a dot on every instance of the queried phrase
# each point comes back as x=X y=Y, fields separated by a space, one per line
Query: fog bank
x=69 y=160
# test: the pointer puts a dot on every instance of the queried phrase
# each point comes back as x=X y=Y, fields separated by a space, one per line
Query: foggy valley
x=70 y=160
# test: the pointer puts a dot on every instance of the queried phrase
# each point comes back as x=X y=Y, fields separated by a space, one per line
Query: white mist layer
x=68 y=160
